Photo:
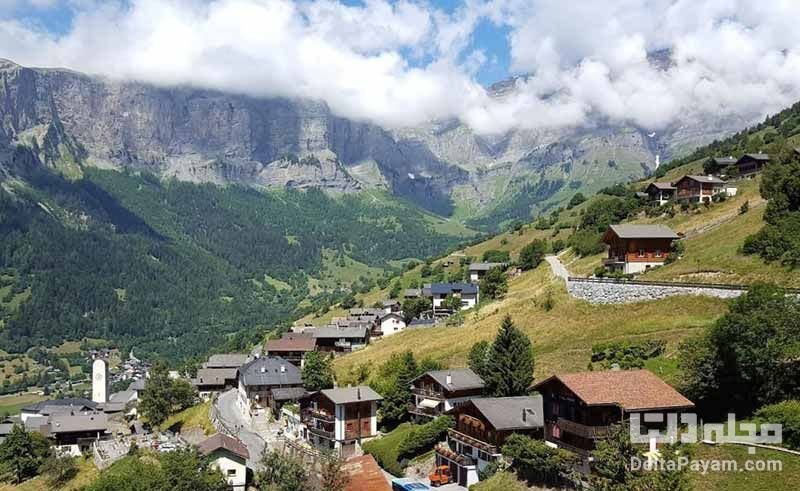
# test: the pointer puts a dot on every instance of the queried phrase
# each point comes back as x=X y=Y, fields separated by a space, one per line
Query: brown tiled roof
x=365 y=475
x=292 y=342
x=221 y=441
x=634 y=390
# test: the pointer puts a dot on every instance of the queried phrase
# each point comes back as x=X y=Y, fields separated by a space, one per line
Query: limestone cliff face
x=196 y=135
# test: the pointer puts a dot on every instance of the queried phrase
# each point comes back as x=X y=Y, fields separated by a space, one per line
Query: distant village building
x=751 y=163
x=211 y=381
x=466 y=292
x=292 y=347
x=229 y=455
x=634 y=248
x=580 y=407
x=438 y=391
x=342 y=339
x=340 y=419
x=660 y=192
x=482 y=427
x=71 y=424
x=478 y=270
x=261 y=384
x=390 y=306
x=391 y=323
x=227 y=360
x=699 y=189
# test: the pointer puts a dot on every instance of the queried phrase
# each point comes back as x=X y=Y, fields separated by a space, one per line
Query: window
x=659 y=253
x=641 y=253
x=231 y=472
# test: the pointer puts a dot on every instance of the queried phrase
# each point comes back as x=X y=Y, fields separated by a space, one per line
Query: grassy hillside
x=562 y=337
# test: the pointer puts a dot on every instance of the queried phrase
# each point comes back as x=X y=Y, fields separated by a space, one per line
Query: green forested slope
x=175 y=268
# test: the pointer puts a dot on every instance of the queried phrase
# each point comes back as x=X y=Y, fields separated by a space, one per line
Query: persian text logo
x=684 y=427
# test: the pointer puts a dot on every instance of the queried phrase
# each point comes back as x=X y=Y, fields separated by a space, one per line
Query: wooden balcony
x=430 y=394
x=445 y=451
x=309 y=414
x=584 y=431
x=473 y=441
x=423 y=411
x=321 y=432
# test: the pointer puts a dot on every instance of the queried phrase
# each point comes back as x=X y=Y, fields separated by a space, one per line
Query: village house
x=482 y=427
x=750 y=164
x=634 y=248
x=267 y=383
x=292 y=347
x=391 y=323
x=342 y=339
x=340 y=419
x=699 y=189
x=214 y=380
x=365 y=474
x=579 y=408
x=227 y=360
x=229 y=455
x=660 y=192
x=466 y=292
x=478 y=270
x=57 y=406
x=390 y=306
x=438 y=391
x=76 y=432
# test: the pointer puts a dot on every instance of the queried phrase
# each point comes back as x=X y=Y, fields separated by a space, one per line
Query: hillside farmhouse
x=634 y=248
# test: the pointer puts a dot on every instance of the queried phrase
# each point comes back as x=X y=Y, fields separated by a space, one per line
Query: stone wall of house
x=612 y=292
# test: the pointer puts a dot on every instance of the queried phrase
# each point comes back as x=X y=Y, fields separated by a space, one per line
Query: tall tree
x=478 y=354
x=494 y=283
x=162 y=396
x=394 y=408
x=509 y=366
x=281 y=473
x=317 y=371
x=532 y=254
x=21 y=454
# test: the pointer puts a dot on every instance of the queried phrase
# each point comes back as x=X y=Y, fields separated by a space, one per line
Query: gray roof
x=485 y=266
x=214 y=376
x=289 y=393
x=460 y=379
x=711 y=179
x=227 y=360
x=724 y=160
x=340 y=332
x=122 y=396
x=505 y=413
x=756 y=156
x=448 y=288
x=412 y=292
x=389 y=303
x=345 y=395
x=53 y=405
x=267 y=371
x=662 y=185
x=137 y=384
x=365 y=312
x=68 y=423
x=638 y=231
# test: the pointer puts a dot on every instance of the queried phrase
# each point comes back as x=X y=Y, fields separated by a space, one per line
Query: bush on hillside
x=586 y=243
x=627 y=354
x=787 y=414
x=496 y=256
x=423 y=438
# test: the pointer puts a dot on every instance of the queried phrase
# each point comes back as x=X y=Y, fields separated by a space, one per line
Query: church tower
x=100 y=381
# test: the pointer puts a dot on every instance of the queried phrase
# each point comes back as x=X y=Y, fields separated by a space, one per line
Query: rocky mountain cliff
x=71 y=119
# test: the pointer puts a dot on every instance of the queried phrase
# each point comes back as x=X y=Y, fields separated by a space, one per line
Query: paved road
x=557 y=267
x=232 y=416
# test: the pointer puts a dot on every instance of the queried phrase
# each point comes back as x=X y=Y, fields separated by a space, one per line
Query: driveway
x=231 y=415
x=557 y=267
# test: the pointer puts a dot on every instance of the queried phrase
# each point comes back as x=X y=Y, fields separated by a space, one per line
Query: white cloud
x=405 y=62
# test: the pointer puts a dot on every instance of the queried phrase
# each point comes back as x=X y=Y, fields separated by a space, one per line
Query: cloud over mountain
x=403 y=63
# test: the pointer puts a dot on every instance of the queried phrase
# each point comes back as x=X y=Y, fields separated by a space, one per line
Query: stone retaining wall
x=617 y=293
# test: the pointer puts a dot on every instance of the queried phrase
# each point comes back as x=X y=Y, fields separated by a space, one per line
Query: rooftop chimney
x=449 y=379
x=525 y=415
x=283 y=368
x=358 y=393
x=263 y=369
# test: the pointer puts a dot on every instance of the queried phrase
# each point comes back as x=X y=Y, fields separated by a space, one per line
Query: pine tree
x=395 y=402
x=509 y=367
x=317 y=372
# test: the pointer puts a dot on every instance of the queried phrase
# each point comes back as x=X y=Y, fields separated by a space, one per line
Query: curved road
x=230 y=414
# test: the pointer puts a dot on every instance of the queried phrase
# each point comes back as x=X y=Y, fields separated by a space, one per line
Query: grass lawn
x=193 y=417
x=384 y=449
x=12 y=404
x=786 y=479
x=87 y=473
x=562 y=337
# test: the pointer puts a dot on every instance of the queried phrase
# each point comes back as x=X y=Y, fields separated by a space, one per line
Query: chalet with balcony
x=750 y=164
x=227 y=360
x=478 y=270
x=214 y=380
x=292 y=347
x=579 y=408
x=466 y=292
x=482 y=427
x=699 y=189
x=391 y=305
x=340 y=419
x=345 y=337
x=267 y=383
x=634 y=248
x=660 y=192
x=438 y=391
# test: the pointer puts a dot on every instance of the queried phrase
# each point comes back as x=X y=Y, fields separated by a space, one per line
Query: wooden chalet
x=699 y=189
x=579 y=408
x=292 y=347
x=340 y=419
x=660 y=192
x=438 y=391
x=751 y=163
x=482 y=427
x=634 y=248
